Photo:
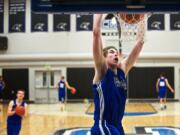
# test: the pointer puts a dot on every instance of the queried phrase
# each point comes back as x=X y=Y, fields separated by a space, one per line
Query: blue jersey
x=15 y=119
x=110 y=97
x=62 y=90
x=162 y=87
x=162 y=83
x=61 y=86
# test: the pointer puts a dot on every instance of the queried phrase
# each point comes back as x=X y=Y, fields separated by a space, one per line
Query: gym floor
x=47 y=119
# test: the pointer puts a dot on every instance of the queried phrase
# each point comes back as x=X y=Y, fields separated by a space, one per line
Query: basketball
x=20 y=110
x=131 y=18
x=73 y=91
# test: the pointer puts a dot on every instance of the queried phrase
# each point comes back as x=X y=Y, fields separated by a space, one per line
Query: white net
x=132 y=26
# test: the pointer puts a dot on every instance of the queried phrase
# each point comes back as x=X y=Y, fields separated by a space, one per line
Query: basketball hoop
x=132 y=26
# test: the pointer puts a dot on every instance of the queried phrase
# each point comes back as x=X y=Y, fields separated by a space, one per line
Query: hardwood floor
x=43 y=119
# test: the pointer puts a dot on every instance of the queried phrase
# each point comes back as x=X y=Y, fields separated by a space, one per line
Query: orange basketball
x=73 y=91
x=20 y=110
x=131 y=18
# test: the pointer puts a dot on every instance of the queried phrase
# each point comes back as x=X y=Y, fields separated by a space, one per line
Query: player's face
x=112 y=57
x=20 y=95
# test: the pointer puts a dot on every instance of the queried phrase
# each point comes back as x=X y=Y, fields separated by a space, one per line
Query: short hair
x=105 y=50
x=62 y=77
x=21 y=90
x=162 y=74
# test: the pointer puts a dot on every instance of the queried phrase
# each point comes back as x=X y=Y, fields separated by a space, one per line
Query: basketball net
x=131 y=32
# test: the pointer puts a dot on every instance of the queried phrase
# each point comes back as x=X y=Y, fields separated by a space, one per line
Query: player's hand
x=13 y=112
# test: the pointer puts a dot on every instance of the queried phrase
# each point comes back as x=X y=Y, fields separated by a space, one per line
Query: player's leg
x=120 y=129
x=61 y=100
x=95 y=130
x=13 y=129
x=16 y=130
x=100 y=129
x=162 y=94
x=62 y=103
x=106 y=129
x=115 y=131
x=165 y=107
x=160 y=98
x=161 y=103
x=9 y=129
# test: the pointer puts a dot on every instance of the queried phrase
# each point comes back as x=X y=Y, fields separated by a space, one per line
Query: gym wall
x=141 y=82
x=165 y=41
x=33 y=50
x=81 y=79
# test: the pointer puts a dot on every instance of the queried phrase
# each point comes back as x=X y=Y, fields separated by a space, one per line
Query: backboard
x=105 y=6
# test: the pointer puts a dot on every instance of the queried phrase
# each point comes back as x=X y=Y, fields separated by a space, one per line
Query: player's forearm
x=133 y=56
x=68 y=86
x=136 y=50
x=10 y=113
x=171 y=89
x=97 y=45
x=97 y=23
x=26 y=110
x=26 y=113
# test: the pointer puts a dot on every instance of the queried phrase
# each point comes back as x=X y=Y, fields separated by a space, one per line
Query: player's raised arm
x=129 y=61
x=98 y=48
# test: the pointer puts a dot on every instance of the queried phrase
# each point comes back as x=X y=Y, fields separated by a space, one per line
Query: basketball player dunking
x=14 y=121
x=109 y=83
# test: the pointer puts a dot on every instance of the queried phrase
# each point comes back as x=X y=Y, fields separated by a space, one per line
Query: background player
x=14 y=121
x=62 y=85
x=161 y=87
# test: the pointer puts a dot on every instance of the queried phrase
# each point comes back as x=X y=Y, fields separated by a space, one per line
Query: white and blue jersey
x=109 y=99
x=162 y=88
x=62 y=90
x=14 y=122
